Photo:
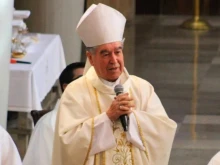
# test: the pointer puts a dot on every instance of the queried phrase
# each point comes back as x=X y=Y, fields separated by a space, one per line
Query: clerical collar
x=111 y=84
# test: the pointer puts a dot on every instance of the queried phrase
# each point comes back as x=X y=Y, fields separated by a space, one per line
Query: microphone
x=123 y=118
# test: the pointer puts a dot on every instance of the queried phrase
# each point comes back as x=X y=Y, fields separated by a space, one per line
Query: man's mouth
x=112 y=69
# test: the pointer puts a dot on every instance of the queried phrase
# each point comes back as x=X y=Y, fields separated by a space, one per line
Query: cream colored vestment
x=84 y=134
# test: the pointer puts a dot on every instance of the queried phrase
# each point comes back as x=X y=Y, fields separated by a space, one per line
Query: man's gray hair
x=93 y=49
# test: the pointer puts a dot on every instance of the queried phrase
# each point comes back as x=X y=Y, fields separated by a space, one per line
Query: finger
x=124 y=98
x=121 y=96
x=127 y=103
x=125 y=112
x=124 y=108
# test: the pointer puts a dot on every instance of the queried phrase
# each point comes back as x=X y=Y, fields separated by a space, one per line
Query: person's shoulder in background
x=8 y=151
x=215 y=159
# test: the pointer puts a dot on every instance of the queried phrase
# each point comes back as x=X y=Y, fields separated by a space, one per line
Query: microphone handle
x=124 y=121
x=124 y=118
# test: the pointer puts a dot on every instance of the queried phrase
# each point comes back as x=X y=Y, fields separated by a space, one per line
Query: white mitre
x=99 y=25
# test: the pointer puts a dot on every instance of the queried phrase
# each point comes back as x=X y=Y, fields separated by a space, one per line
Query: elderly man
x=88 y=129
x=8 y=152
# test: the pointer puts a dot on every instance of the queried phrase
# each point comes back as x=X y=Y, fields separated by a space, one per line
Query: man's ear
x=89 y=56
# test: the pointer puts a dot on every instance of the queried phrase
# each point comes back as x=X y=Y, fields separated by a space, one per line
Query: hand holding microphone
x=121 y=107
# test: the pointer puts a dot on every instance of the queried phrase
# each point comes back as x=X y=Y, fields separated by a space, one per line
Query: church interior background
x=182 y=64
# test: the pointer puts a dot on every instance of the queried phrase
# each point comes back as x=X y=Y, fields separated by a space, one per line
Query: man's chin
x=113 y=79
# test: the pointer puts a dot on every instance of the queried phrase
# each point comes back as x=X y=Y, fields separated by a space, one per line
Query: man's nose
x=113 y=58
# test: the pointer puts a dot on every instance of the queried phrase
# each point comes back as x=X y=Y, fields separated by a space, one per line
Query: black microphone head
x=118 y=89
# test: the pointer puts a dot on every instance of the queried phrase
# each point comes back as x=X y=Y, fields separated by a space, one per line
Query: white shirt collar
x=111 y=84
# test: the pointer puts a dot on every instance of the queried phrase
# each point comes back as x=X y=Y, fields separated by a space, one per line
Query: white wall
x=6 y=8
x=56 y=16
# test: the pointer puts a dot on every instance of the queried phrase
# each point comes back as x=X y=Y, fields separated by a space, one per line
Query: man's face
x=108 y=60
x=78 y=72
